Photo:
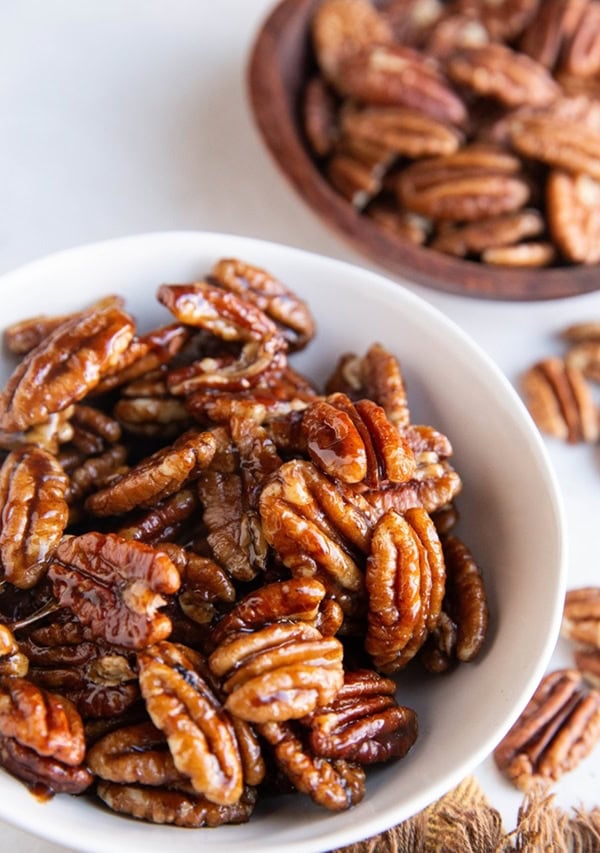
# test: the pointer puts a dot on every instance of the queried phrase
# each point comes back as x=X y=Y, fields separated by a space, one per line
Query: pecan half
x=40 y=772
x=573 y=204
x=551 y=27
x=476 y=237
x=587 y=661
x=532 y=254
x=582 y=54
x=319 y=114
x=567 y=145
x=136 y=753
x=401 y=130
x=557 y=729
x=581 y=616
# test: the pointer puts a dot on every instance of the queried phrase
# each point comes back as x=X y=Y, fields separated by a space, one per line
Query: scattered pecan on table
x=209 y=564
x=467 y=126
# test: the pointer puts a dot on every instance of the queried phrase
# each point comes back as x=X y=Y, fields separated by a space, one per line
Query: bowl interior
x=279 y=65
x=510 y=518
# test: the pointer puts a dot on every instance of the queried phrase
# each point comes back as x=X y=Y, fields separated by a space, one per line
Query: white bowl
x=510 y=518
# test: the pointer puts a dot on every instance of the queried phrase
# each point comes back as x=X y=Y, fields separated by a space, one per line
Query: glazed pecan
x=573 y=205
x=434 y=485
x=587 y=330
x=278 y=672
x=405 y=581
x=399 y=223
x=136 y=753
x=49 y=435
x=453 y=33
x=465 y=600
x=560 y=401
x=400 y=130
x=528 y=254
x=34 y=513
x=93 y=429
x=358 y=175
x=157 y=477
x=64 y=367
x=12 y=660
x=335 y=784
x=557 y=729
x=319 y=114
x=585 y=356
x=581 y=616
x=94 y=473
x=179 y=807
x=476 y=237
x=364 y=723
x=115 y=587
x=163 y=522
x=199 y=731
x=162 y=417
x=497 y=71
x=567 y=145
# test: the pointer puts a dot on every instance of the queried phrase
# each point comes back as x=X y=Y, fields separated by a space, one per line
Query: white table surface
x=125 y=116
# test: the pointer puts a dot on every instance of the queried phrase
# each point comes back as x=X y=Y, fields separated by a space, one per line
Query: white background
x=124 y=116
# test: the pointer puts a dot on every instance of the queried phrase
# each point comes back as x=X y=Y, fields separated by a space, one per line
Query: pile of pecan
x=468 y=126
x=561 y=724
x=210 y=567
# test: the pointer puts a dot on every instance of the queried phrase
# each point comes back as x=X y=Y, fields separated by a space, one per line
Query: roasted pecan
x=573 y=205
x=319 y=114
x=364 y=723
x=581 y=616
x=115 y=587
x=587 y=330
x=199 y=731
x=64 y=367
x=498 y=231
x=94 y=473
x=551 y=27
x=43 y=774
x=587 y=661
x=279 y=672
x=399 y=223
x=34 y=513
x=585 y=356
x=567 y=145
x=136 y=753
x=165 y=805
x=12 y=660
x=453 y=33
x=335 y=784
x=399 y=130
x=582 y=52
x=157 y=477
x=203 y=580
x=557 y=729
x=528 y=254
x=560 y=401
x=405 y=581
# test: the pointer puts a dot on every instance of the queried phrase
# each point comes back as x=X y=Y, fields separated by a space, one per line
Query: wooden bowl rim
x=278 y=129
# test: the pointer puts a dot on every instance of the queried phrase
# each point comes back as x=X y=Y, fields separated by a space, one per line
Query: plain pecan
x=34 y=513
x=412 y=20
x=399 y=223
x=551 y=27
x=476 y=237
x=557 y=729
x=573 y=205
x=92 y=474
x=435 y=484
x=581 y=616
x=560 y=401
x=568 y=145
x=585 y=356
x=115 y=587
x=335 y=784
x=43 y=774
x=526 y=254
x=405 y=581
x=364 y=723
x=64 y=367
x=587 y=661
x=171 y=806
x=199 y=731
x=497 y=71
x=453 y=33
x=319 y=116
x=138 y=753
x=504 y=20
x=403 y=131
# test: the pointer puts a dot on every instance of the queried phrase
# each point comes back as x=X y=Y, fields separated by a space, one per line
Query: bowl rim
x=281 y=136
x=371 y=824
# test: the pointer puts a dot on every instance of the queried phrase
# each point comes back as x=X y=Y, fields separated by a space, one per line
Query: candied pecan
x=49 y=435
x=64 y=367
x=47 y=723
x=573 y=206
x=503 y=19
x=12 y=660
x=557 y=729
x=465 y=600
x=258 y=287
x=438 y=653
x=279 y=672
x=319 y=115
x=376 y=376
x=496 y=231
x=340 y=28
x=203 y=582
x=399 y=223
x=182 y=808
x=115 y=587
x=559 y=400
x=335 y=784
x=40 y=772
x=198 y=729
x=433 y=487
x=164 y=417
x=582 y=52
x=164 y=521
x=364 y=723
x=405 y=581
x=157 y=477
x=528 y=254
x=396 y=75
x=137 y=753
x=34 y=513
x=94 y=473
x=587 y=661
x=581 y=617
x=567 y=145
x=550 y=28
x=412 y=20
x=400 y=130
x=497 y=71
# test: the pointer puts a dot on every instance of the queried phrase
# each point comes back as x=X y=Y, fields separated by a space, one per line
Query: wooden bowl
x=280 y=62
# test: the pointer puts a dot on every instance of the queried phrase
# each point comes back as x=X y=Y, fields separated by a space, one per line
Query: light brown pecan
x=585 y=356
x=497 y=71
x=498 y=231
x=261 y=289
x=557 y=729
x=400 y=130
x=582 y=52
x=319 y=115
x=170 y=806
x=358 y=178
x=567 y=145
x=405 y=585
x=199 y=731
x=34 y=513
x=340 y=28
x=587 y=661
x=434 y=485
x=162 y=417
x=64 y=367
x=527 y=254
x=581 y=616
x=399 y=223
x=573 y=205
x=47 y=723
x=560 y=401
x=412 y=20
x=115 y=587
x=453 y=33
x=587 y=330
x=12 y=660
x=551 y=27
x=364 y=723
x=138 y=753
x=43 y=774
x=157 y=477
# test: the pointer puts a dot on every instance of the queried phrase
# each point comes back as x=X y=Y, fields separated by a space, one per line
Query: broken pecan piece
x=12 y=660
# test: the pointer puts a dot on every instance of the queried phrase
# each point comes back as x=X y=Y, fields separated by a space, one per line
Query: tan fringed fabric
x=463 y=821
